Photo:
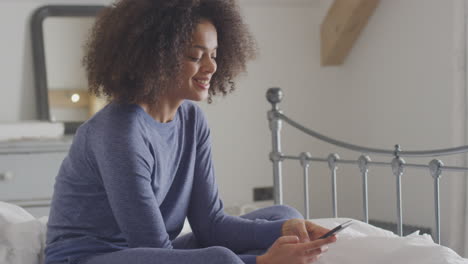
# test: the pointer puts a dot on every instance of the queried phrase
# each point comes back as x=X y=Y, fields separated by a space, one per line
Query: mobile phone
x=337 y=229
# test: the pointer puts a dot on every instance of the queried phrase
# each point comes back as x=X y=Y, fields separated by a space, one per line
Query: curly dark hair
x=136 y=47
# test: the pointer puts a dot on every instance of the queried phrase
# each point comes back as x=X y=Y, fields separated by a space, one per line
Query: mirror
x=59 y=34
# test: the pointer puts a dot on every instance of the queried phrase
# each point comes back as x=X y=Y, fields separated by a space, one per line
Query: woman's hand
x=305 y=230
x=288 y=249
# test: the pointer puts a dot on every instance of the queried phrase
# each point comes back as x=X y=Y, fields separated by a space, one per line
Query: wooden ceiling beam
x=341 y=28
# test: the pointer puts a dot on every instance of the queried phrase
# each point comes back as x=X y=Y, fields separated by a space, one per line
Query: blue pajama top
x=130 y=181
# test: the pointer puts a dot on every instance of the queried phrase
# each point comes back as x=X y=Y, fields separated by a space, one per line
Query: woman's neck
x=163 y=111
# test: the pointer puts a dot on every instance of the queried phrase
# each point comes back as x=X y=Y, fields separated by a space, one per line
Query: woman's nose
x=209 y=65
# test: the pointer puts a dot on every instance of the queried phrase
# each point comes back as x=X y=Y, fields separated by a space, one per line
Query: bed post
x=332 y=159
x=435 y=167
x=305 y=163
x=274 y=96
x=398 y=169
x=363 y=162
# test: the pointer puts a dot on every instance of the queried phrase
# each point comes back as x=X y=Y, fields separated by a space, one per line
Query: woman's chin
x=201 y=96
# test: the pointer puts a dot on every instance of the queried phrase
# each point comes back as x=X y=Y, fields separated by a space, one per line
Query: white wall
x=397 y=86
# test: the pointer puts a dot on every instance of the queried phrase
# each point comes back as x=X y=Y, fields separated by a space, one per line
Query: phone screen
x=337 y=229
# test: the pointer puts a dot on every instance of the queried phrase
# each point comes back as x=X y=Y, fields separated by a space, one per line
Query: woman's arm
x=210 y=224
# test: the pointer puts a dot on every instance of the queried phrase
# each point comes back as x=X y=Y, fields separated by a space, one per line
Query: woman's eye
x=195 y=59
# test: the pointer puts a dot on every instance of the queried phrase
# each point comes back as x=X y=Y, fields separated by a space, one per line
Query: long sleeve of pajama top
x=130 y=181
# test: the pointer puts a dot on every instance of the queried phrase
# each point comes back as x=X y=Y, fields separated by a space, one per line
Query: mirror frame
x=38 y=49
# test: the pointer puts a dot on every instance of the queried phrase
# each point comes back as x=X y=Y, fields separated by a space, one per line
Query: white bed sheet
x=22 y=239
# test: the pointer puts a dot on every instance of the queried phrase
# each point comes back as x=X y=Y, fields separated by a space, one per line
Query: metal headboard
x=398 y=164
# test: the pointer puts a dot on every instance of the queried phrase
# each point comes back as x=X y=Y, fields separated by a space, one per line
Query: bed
x=22 y=241
x=22 y=236
x=365 y=243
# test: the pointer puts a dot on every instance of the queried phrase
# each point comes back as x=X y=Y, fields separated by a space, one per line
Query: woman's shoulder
x=115 y=130
x=114 y=118
x=190 y=107
x=117 y=113
x=193 y=111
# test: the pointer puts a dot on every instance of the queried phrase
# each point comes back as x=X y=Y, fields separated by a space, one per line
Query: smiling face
x=199 y=64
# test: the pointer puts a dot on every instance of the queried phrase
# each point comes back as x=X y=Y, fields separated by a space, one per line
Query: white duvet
x=22 y=240
x=365 y=244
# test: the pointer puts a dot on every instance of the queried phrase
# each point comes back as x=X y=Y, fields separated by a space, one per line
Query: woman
x=141 y=165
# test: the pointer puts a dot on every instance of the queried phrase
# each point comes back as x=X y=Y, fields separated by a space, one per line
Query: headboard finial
x=397 y=151
x=274 y=96
x=435 y=167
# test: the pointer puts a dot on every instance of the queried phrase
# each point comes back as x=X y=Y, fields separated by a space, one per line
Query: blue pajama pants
x=186 y=249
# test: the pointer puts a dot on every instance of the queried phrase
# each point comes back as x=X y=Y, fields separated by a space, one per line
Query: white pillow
x=11 y=214
x=22 y=236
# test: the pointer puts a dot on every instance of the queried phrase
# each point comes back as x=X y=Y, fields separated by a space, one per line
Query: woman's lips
x=202 y=83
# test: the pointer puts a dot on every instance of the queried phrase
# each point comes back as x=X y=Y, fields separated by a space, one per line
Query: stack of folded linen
x=30 y=130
